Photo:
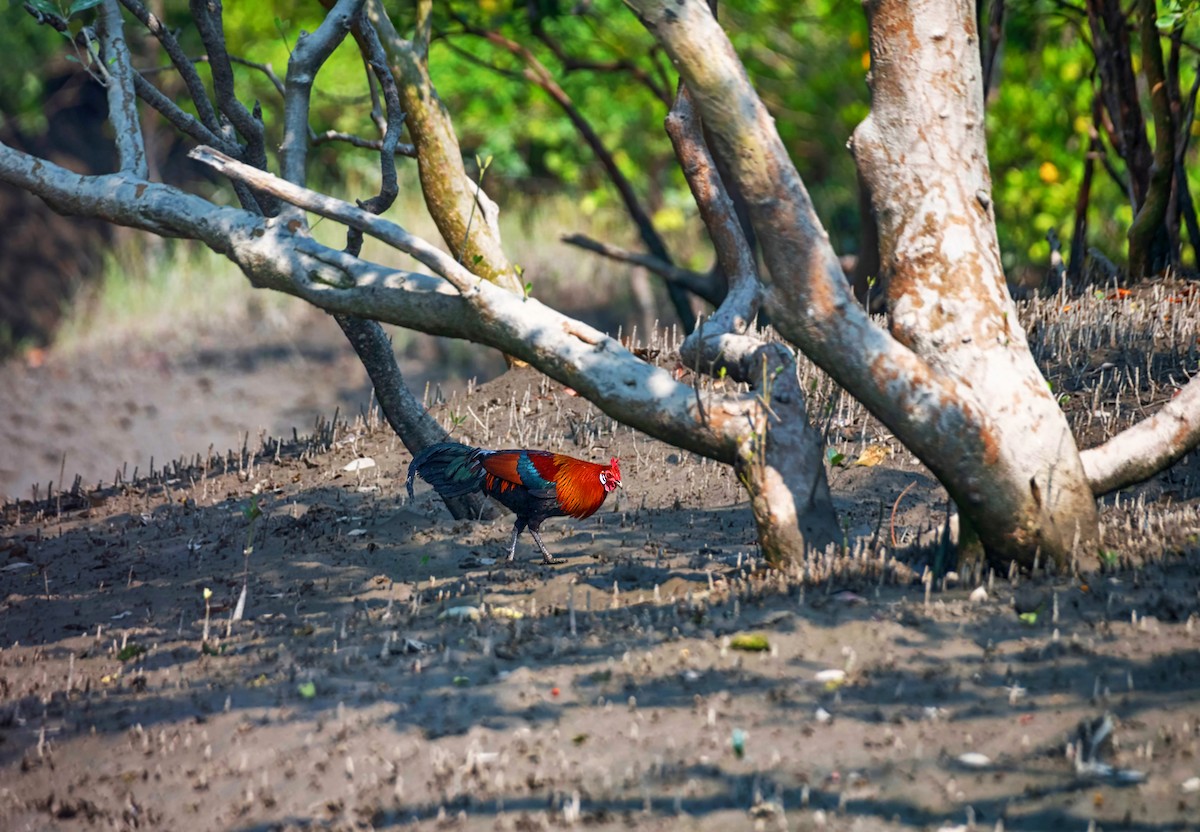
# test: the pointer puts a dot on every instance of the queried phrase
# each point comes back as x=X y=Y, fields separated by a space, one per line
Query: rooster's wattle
x=533 y=484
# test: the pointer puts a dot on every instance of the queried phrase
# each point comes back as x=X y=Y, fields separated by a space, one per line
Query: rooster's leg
x=512 y=547
x=546 y=556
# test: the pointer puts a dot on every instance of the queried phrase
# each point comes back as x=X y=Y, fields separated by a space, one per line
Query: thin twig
x=537 y=73
x=401 y=149
x=117 y=64
x=705 y=286
x=182 y=63
x=895 y=506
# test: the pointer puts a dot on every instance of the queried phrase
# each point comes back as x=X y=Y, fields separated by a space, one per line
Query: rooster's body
x=534 y=485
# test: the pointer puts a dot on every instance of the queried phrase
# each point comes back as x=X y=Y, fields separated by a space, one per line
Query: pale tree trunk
x=957 y=384
x=923 y=150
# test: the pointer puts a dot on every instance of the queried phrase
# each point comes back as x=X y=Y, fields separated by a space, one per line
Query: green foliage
x=807 y=60
x=1039 y=122
x=1176 y=14
x=130 y=651
x=28 y=51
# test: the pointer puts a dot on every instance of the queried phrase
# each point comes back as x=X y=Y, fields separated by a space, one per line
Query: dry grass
x=153 y=289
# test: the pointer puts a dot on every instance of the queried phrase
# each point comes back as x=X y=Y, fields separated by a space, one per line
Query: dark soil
x=387 y=672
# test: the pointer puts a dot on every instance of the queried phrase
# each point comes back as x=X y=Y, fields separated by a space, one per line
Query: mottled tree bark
x=955 y=380
x=923 y=150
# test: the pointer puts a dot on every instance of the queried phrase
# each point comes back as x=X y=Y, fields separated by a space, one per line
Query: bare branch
x=722 y=342
x=376 y=58
x=537 y=73
x=705 y=286
x=183 y=64
x=208 y=17
x=781 y=462
x=183 y=121
x=402 y=148
x=414 y=425
x=122 y=99
x=310 y=53
x=571 y=63
x=265 y=69
x=190 y=126
x=470 y=57
x=1142 y=450
x=450 y=195
x=276 y=256
x=335 y=209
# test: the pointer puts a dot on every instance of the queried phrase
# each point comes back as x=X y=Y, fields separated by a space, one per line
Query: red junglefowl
x=533 y=484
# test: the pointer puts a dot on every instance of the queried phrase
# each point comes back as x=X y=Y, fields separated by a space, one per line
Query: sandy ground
x=131 y=405
x=388 y=674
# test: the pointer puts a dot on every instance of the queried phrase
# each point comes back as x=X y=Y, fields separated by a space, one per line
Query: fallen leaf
x=460 y=614
x=832 y=679
x=973 y=759
x=872 y=455
x=752 y=642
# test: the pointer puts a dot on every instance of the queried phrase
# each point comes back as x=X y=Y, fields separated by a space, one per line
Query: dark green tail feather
x=446 y=466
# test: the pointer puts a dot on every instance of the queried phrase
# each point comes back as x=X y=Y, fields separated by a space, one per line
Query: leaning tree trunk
x=924 y=153
x=955 y=381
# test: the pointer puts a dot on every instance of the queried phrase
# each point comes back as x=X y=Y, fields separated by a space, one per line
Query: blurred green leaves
x=808 y=61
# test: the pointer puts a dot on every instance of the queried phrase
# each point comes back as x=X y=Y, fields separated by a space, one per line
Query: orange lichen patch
x=1183 y=434
x=729 y=417
x=987 y=439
